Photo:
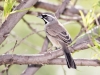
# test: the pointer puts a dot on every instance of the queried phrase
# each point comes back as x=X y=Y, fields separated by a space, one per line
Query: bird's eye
x=44 y=16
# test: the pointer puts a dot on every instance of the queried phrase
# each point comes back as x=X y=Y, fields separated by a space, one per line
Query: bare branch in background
x=1 y=8
x=45 y=45
x=3 y=45
x=85 y=39
x=71 y=18
x=5 y=70
x=75 y=1
x=78 y=34
x=34 y=30
x=53 y=8
x=32 y=69
x=82 y=26
x=13 y=19
x=24 y=39
x=61 y=9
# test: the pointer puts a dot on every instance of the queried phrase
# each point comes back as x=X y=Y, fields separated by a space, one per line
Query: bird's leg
x=72 y=49
x=56 y=48
x=53 y=48
x=50 y=48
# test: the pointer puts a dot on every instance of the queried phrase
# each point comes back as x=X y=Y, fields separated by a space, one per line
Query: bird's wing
x=65 y=37
x=59 y=33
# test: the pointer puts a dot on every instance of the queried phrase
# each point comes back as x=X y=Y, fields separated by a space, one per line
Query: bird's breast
x=54 y=41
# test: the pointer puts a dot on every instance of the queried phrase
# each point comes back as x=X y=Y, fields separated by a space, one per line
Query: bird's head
x=48 y=18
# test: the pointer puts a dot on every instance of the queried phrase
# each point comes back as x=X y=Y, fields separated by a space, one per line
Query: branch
x=72 y=18
x=41 y=59
x=34 y=30
x=81 y=43
x=13 y=19
x=53 y=8
x=30 y=70
x=23 y=40
x=84 y=40
x=61 y=8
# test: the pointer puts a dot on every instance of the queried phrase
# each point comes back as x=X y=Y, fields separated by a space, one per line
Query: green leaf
x=83 y=17
x=8 y=5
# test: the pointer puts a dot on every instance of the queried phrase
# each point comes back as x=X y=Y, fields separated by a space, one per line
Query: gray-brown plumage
x=58 y=36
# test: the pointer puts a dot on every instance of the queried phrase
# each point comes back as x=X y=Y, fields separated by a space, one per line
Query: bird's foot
x=57 y=48
x=49 y=49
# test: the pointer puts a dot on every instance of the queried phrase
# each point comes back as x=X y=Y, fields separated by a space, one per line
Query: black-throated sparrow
x=58 y=36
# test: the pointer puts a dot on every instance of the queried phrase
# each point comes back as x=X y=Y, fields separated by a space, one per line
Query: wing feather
x=59 y=33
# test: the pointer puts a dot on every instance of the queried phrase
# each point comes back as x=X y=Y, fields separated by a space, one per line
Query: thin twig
x=75 y=3
x=32 y=69
x=14 y=18
x=61 y=9
x=82 y=26
x=70 y=18
x=96 y=20
x=12 y=48
x=5 y=70
x=52 y=7
x=25 y=41
x=78 y=34
x=25 y=38
x=86 y=30
x=34 y=30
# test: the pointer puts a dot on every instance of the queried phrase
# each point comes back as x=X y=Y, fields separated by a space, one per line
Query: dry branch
x=61 y=8
x=32 y=69
x=41 y=59
x=45 y=58
x=81 y=43
x=34 y=30
x=53 y=8
x=13 y=19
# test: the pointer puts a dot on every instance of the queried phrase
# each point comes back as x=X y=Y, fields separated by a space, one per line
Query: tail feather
x=68 y=57
x=70 y=61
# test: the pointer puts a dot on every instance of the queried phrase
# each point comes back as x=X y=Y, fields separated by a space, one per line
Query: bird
x=58 y=36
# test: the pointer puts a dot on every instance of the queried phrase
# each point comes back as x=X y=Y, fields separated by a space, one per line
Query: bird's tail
x=68 y=57
x=69 y=60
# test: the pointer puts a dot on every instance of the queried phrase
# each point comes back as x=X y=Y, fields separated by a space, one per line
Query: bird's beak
x=39 y=16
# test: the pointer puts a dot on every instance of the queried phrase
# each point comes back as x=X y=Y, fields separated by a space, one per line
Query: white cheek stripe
x=46 y=21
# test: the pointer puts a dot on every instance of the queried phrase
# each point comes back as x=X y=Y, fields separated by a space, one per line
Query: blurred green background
x=33 y=44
